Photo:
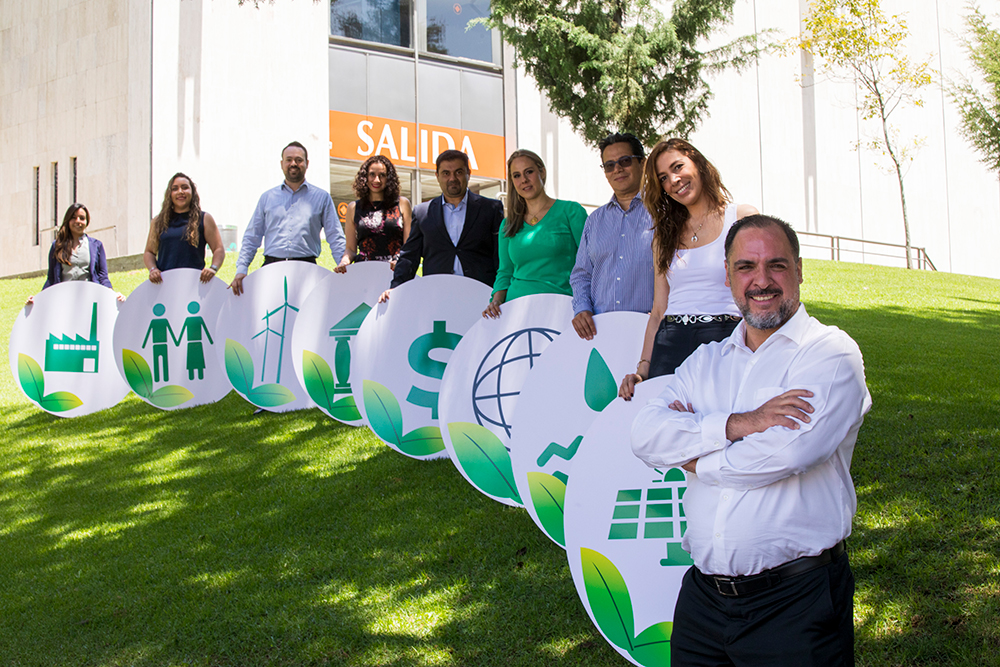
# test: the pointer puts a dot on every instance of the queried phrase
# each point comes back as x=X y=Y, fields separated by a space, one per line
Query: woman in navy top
x=179 y=233
x=76 y=256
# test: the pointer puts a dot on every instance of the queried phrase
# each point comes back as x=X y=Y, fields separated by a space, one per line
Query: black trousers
x=674 y=342
x=807 y=620
x=271 y=260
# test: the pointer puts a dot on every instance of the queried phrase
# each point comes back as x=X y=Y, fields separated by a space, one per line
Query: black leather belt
x=755 y=583
x=698 y=319
x=271 y=260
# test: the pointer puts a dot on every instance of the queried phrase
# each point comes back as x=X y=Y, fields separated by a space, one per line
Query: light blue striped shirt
x=614 y=265
x=289 y=223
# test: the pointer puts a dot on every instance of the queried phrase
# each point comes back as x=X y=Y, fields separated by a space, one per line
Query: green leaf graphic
x=599 y=388
x=60 y=401
x=137 y=373
x=548 y=495
x=345 y=410
x=29 y=373
x=422 y=441
x=32 y=380
x=383 y=412
x=170 y=396
x=652 y=646
x=270 y=395
x=318 y=379
x=239 y=367
x=484 y=459
x=609 y=599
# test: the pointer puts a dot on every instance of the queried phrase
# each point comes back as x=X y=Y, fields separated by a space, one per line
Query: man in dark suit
x=454 y=233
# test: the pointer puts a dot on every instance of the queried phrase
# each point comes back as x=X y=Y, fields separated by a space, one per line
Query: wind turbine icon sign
x=283 y=309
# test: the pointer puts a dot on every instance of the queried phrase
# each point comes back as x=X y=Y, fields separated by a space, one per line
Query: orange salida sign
x=356 y=137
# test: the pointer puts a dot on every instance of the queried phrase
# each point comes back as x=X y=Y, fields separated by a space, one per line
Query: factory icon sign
x=74 y=355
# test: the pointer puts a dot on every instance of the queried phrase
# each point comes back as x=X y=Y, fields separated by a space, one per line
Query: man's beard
x=771 y=320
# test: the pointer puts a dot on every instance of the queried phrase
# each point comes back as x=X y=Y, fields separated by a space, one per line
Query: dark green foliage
x=608 y=65
x=980 y=106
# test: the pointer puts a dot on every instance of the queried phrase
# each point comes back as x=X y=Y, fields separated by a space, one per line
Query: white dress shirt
x=774 y=496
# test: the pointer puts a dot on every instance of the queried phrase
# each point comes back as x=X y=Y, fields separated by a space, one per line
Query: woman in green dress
x=539 y=237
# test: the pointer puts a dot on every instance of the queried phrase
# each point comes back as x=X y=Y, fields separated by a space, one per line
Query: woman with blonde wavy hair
x=692 y=212
x=179 y=232
x=538 y=238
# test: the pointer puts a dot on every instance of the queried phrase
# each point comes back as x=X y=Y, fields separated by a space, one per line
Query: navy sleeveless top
x=176 y=253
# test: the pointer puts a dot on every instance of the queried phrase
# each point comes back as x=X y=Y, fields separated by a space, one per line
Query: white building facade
x=101 y=101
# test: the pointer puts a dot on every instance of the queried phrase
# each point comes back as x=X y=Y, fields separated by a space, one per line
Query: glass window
x=382 y=21
x=447 y=21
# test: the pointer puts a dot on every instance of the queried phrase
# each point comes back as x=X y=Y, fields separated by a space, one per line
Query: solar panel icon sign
x=624 y=524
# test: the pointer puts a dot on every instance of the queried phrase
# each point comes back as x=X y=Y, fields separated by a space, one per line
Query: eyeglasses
x=625 y=162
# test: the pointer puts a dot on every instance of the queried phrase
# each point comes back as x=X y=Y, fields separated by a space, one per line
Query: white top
x=697 y=277
x=773 y=496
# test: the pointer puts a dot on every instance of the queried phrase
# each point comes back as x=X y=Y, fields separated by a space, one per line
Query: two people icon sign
x=159 y=328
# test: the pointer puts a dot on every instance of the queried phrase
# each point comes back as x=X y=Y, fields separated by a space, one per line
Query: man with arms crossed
x=765 y=424
x=288 y=218
x=614 y=264
x=454 y=233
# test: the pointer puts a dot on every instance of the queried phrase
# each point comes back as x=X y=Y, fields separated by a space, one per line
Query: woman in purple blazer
x=76 y=256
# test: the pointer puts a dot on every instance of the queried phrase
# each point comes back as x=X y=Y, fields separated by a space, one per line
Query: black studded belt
x=697 y=319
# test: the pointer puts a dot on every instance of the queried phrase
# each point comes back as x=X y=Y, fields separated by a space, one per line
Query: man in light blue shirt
x=288 y=219
x=614 y=264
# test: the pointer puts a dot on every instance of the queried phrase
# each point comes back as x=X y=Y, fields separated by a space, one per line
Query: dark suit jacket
x=429 y=239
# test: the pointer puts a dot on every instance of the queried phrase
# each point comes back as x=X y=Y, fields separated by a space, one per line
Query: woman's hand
x=206 y=275
x=31 y=300
x=493 y=310
x=156 y=277
x=342 y=267
x=120 y=297
x=627 y=388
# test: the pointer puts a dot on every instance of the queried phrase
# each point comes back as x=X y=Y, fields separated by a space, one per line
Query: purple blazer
x=98 y=265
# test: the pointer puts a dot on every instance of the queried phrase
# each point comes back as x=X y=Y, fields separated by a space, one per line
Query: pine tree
x=980 y=109
x=608 y=65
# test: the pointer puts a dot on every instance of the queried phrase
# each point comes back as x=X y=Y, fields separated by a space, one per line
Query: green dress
x=540 y=257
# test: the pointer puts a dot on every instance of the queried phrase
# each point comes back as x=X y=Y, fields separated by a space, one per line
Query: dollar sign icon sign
x=420 y=361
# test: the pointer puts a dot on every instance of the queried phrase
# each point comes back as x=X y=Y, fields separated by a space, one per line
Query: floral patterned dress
x=379 y=229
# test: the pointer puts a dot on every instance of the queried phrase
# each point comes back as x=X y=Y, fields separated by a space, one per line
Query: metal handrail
x=922 y=259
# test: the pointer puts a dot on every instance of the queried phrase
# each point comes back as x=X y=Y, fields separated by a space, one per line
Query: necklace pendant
x=694 y=238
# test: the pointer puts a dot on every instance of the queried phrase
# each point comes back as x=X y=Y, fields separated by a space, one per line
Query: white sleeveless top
x=697 y=277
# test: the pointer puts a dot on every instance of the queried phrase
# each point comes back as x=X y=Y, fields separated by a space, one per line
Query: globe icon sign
x=501 y=373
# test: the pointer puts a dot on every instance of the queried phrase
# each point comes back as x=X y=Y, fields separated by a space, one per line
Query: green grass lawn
x=210 y=536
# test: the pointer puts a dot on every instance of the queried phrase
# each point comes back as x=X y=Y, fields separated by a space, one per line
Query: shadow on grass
x=212 y=537
x=926 y=541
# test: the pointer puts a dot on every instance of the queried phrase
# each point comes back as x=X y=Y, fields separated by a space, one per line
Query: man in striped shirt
x=614 y=264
